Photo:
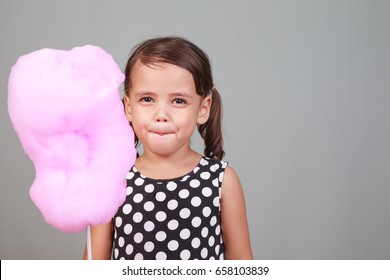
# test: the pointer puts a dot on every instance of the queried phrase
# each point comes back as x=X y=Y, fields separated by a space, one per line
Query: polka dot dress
x=175 y=219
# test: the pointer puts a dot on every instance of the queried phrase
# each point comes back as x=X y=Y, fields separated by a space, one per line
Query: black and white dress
x=171 y=219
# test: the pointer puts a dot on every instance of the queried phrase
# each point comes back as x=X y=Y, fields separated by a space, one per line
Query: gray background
x=306 y=90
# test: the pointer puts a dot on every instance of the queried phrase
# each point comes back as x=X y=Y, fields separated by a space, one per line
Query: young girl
x=179 y=204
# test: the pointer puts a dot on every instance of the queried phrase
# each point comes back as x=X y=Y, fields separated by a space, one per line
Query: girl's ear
x=127 y=107
x=204 y=110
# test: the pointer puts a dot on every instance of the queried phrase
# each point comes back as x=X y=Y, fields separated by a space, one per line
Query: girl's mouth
x=161 y=133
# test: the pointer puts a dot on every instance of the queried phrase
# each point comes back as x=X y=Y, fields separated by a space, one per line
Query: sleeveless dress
x=173 y=219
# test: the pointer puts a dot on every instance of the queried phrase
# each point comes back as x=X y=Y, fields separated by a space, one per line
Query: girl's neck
x=167 y=167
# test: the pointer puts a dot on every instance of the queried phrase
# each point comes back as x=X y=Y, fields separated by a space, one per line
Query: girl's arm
x=233 y=218
x=101 y=240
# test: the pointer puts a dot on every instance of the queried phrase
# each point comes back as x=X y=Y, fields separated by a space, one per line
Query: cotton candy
x=66 y=109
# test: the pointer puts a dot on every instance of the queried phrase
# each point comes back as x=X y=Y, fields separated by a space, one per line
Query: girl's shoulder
x=231 y=184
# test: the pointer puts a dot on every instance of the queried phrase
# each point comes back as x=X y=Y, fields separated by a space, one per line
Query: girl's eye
x=179 y=101
x=146 y=99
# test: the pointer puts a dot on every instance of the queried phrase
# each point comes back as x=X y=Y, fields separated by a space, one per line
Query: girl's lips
x=161 y=133
x=161 y=130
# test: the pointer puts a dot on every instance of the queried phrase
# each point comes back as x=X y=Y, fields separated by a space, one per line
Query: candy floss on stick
x=66 y=109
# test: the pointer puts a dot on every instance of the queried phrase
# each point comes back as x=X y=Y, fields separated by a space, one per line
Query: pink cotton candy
x=66 y=109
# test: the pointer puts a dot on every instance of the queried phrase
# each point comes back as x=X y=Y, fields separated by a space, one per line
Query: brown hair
x=183 y=53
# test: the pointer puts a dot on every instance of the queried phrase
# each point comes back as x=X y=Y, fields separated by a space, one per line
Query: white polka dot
x=161 y=256
x=194 y=183
x=149 y=188
x=116 y=253
x=161 y=236
x=218 y=230
x=138 y=198
x=138 y=237
x=171 y=186
x=213 y=221
x=129 y=249
x=185 y=233
x=185 y=213
x=221 y=176
x=184 y=193
x=185 y=255
x=204 y=253
x=139 y=181
x=205 y=175
x=149 y=246
x=118 y=221
x=196 y=221
x=160 y=196
x=149 y=206
x=149 y=226
x=205 y=232
x=222 y=257
x=173 y=245
x=137 y=217
x=195 y=243
x=196 y=169
x=203 y=162
x=217 y=249
x=121 y=241
x=206 y=211
x=216 y=201
x=196 y=201
x=130 y=175
x=185 y=178
x=128 y=229
x=215 y=182
x=138 y=256
x=127 y=209
x=129 y=190
x=172 y=204
x=206 y=192
x=214 y=167
x=211 y=241
x=161 y=216
x=173 y=224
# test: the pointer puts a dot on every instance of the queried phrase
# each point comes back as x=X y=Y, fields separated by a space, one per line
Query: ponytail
x=211 y=131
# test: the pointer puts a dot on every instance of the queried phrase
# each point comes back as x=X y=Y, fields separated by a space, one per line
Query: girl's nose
x=161 y=119
x=161 y=114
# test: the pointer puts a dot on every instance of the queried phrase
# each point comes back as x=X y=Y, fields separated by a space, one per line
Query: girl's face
x=164 y=108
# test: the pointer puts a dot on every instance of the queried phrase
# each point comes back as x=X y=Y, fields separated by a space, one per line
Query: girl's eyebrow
x=181 y=94
x=143 y=92
x=173 y=94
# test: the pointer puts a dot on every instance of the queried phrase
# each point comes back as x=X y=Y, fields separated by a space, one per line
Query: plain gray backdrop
x=306 y=92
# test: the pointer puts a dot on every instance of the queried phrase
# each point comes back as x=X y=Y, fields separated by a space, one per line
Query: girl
x=179 y=204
